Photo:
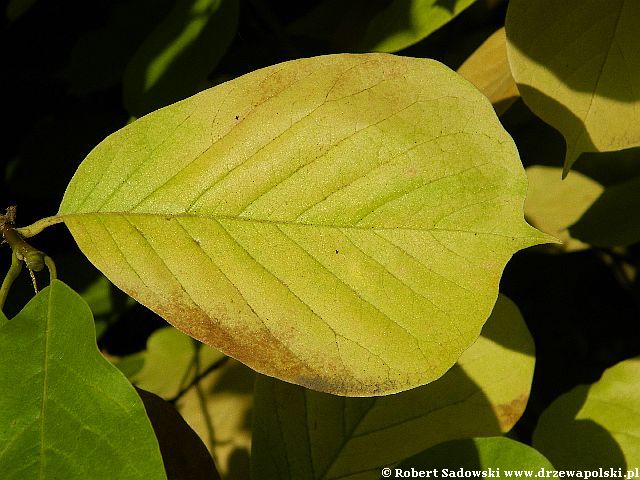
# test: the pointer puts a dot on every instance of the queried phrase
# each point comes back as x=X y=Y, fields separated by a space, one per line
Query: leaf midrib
x=45 y=381
x=221 y=217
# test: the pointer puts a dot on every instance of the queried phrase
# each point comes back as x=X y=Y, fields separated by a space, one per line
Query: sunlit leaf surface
x=339 y=222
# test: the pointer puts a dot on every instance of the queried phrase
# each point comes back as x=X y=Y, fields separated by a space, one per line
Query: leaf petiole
x=12 y=274
x=37 y=227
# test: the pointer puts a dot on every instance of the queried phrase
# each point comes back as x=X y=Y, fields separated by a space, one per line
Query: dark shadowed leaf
x=185 y=456
x=479 y=453
x=376 y=25
x=612 y=220
x=177 y=57
x=100 y=57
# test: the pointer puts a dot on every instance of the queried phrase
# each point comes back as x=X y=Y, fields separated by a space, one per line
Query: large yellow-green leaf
x=65 y=412
x=553 y=204
x=597 y=425
x=488 y=69
x=577 y=65
x=300 y=434
x=339 y=222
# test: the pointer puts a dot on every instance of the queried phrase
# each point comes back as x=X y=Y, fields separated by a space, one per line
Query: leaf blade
x=326 y=172
x=50 y=425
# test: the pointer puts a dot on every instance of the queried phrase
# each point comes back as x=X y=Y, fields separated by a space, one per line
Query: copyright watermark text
x=611 y=473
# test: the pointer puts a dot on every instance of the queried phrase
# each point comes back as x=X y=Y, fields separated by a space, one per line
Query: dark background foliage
x=63 y=64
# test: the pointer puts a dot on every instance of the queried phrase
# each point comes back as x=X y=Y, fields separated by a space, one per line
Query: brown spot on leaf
x=509 y=413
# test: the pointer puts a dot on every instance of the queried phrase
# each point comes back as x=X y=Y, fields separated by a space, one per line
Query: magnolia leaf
x=183 y=453
x=219 y=410
x=179 y=54
x=553 y=204
x=577 y=65
x=595 y=426
x=65 y=411
x=608 y=222
x=488 y=69
x=339 y=222
x=376 y=26
x=167 y=362
x=301 y=434
x=479 y=453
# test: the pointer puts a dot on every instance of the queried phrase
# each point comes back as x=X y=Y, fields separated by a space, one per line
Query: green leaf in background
x=301 y=434
x=612 y=220
x=219 y=409
x=595 y=426
x=488 y=69
x=65 y=411
x=17 y=8
x=339 y=222
x=577 y=65
x=185 y=456
x=479 y=453
x=3 y=319
x=167 y=363
x=174 y=61
x=378 y=25
x=553 y=204
x=99 y=58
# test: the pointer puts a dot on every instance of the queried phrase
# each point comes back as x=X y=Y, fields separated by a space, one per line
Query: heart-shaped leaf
x=577 y=66
x=484 y=394
x=65 y=411
x=339 y=222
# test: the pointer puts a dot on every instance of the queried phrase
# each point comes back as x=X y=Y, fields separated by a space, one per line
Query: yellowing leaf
x=304 y=435
x=553 y=204
x=577 y=65
x=339 y=222
x=488 y=69
x=597 y=425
